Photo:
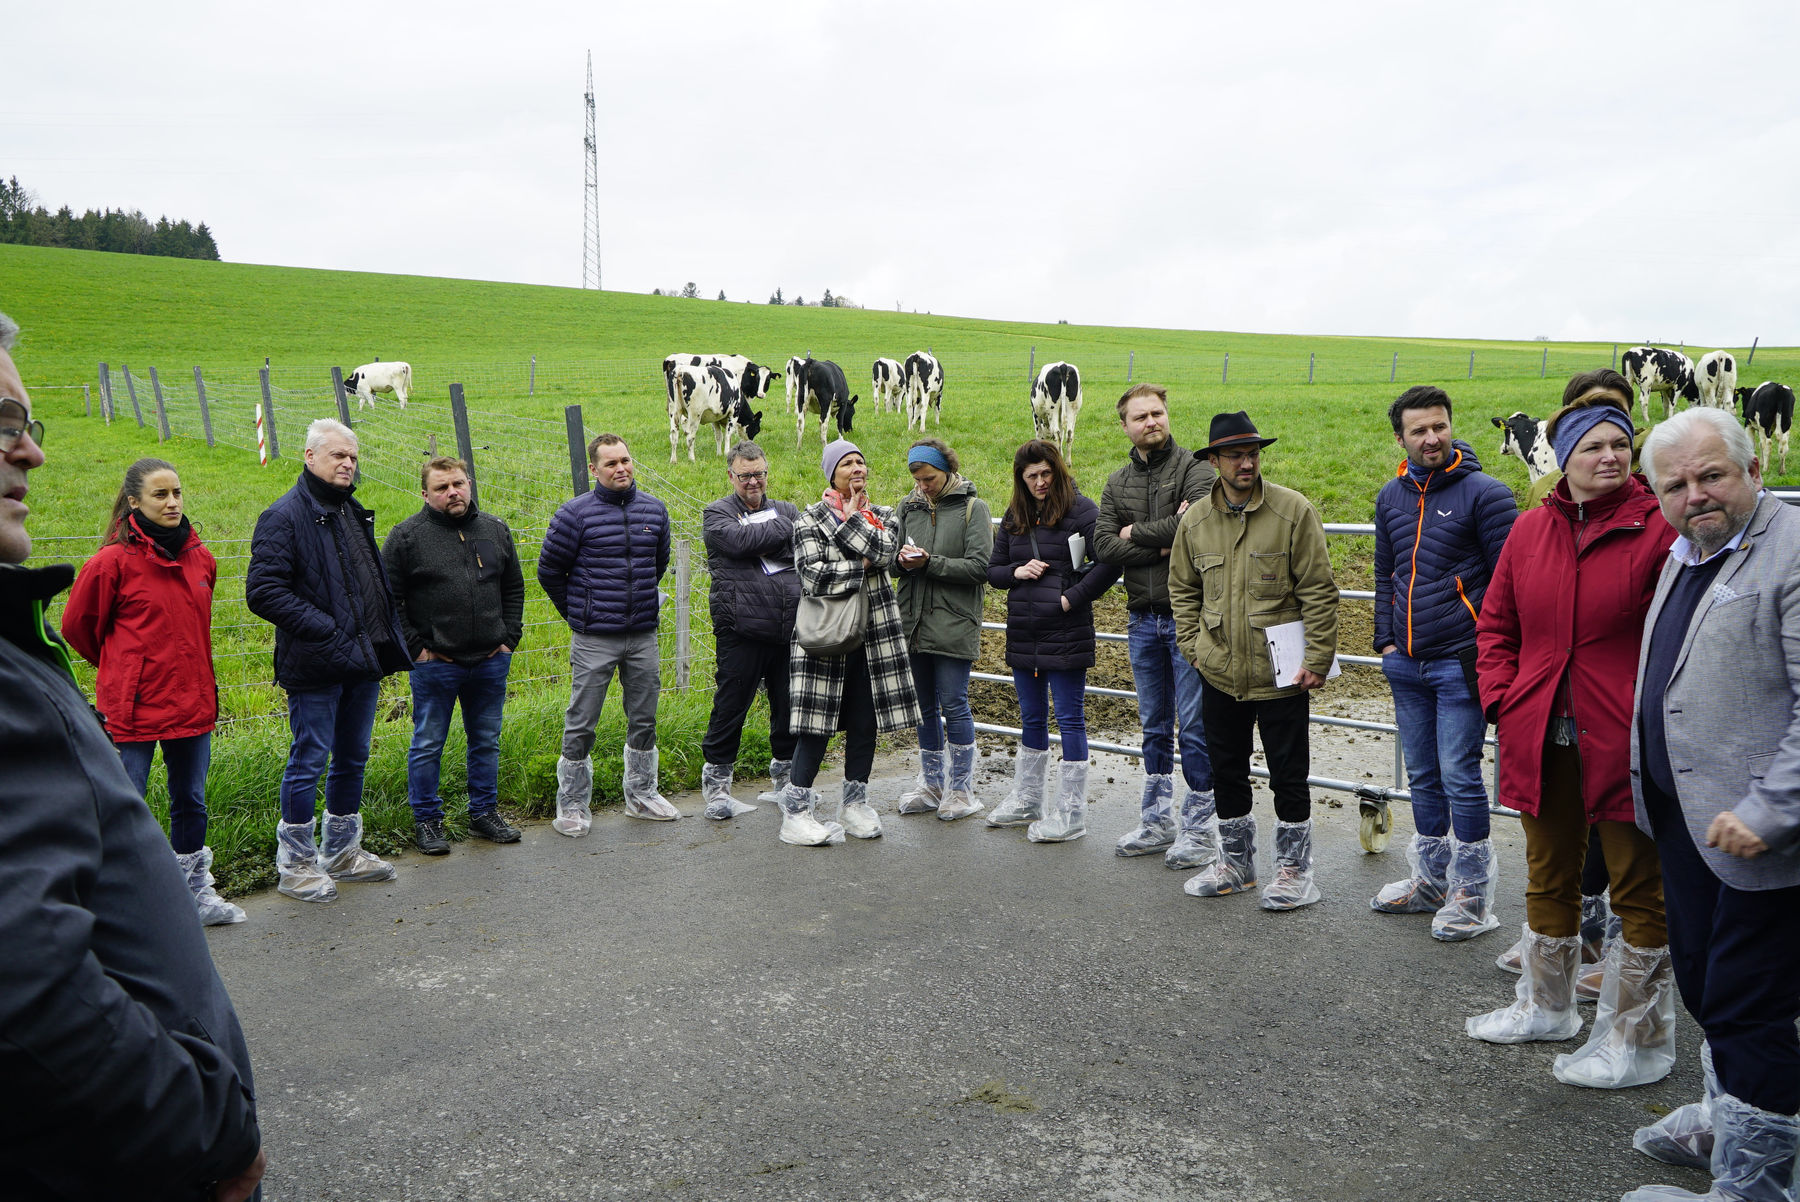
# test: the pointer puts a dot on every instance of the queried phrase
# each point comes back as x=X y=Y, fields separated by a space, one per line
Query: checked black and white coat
x=829 y=557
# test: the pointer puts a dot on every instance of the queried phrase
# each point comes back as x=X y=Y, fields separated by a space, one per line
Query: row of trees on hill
x=26 y=222
x=691 y=292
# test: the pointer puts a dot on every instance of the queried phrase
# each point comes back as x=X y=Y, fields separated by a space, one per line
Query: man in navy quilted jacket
x=1439 y=526
x=600 y=563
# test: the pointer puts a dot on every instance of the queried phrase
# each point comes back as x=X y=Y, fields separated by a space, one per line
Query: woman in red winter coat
x=1557 y=650
x=141 y=610
x=1042 y=559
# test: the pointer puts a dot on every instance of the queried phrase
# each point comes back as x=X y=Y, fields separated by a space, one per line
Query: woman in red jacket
x=141 y=610
x=1557 y=650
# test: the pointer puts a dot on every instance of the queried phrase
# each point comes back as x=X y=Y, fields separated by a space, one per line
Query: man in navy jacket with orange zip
x=1439 y=526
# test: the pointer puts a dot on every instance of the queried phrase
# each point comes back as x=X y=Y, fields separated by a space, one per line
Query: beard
x=1710 y=538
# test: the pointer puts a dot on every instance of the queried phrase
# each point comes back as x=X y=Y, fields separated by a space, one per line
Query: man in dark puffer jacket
x=1439 y=526
x=600 y=563
x=317 y=576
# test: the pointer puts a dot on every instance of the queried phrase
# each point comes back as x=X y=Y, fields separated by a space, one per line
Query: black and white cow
x=822 y=390
x=1715 y=378
x=793 y=382
x=1657 y=369
x=1769 y=413
x=708 y=396
x=1055 y=402
x=751 y=379
x=887 y=384
x=371 y=378
x=1524 y=438
x=924 y=388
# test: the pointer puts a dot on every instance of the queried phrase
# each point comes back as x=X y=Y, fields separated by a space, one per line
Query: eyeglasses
x=15 y=423
x=749 y=477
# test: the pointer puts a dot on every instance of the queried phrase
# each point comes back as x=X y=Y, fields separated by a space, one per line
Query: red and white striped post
x=262 y=437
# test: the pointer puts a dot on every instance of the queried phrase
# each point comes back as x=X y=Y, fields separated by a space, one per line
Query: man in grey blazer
x=1716 y=778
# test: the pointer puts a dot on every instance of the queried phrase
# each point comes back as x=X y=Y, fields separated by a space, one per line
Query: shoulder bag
x=829 y=626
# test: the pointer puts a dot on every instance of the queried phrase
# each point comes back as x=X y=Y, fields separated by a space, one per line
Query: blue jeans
x=942 y=684
x=1441 y=732
x=334 y=725
x=437 y=686
x=1168 y=693
x=187 y=761
x=1035 y=690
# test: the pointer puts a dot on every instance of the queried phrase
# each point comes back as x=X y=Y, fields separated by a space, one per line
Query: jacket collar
x=24 y=593
x=448 y=522
x=620 y=497
x=1157 y=457
x=1257 y=494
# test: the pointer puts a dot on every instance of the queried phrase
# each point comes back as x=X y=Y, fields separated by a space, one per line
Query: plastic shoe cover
x=297 y=860
x=1235 y=870
x=1031 y=770
x=715 y=786
x=1293 y=885
x=1156 y=819
x=1469 y=909
x=343 y=856
x=1198 y=844
x=1596 y=928
x=798 y=826
x=928 y=793
x=1065 y=819
x=642 y=800
x=1632 y=1041
x=574 y=795
x=860 y=819
x=1684 y=1136
x=959 y=794
x=214 y=910
x=1752 y=1158
x=779 y=772
x=1545 y=1006
x=1424 y=891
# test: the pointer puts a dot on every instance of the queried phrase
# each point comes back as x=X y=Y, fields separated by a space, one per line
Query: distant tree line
x=692 y=292
x=26 y=222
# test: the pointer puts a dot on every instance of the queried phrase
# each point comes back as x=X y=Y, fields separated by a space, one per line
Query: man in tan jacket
x=1248 y=558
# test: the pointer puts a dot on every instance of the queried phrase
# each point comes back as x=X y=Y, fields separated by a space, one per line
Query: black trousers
x=856 y=718
x=1736 y=955
x=1230 y=725
x=740 y=666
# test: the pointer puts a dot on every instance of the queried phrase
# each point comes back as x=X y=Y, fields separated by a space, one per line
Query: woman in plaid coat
x=840 y=544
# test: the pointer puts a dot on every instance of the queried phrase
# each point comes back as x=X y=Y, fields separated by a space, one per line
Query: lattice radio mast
x=590 y=226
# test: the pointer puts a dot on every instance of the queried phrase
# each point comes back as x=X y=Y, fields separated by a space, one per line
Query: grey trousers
x=592 y=660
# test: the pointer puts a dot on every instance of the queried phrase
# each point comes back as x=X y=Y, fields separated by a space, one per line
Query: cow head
x=1523 y=437
x=846 y=414
x=353 y=380
x=750 y=421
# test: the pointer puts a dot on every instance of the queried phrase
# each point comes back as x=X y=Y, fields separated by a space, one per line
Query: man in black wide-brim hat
x=1248 y=557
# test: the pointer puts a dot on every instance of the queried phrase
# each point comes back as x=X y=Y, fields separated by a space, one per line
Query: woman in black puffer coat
x=1042 y=559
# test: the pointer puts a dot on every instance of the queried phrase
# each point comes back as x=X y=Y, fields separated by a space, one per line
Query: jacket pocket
x=1268 y=576
x=118 y=700
x=1759 y=765
x=1211 y=570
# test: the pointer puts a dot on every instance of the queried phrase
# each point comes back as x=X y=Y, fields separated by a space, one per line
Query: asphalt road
x=694 y=1010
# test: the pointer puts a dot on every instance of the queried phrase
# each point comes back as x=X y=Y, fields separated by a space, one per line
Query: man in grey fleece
x=460 y=598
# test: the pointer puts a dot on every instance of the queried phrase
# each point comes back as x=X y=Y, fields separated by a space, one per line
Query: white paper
x=1077 y=549
x=755 y=517
x=1287 y=653
x=773 y=567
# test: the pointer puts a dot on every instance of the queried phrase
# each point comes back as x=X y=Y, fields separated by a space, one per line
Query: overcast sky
x=1598 y=171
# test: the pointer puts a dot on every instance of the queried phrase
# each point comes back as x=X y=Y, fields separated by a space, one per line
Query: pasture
x=523 y=353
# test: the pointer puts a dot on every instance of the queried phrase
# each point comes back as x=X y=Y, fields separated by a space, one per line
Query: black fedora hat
x=1234 y=430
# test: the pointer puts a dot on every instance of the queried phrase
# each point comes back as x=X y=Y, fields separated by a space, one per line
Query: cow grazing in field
x=823 y=390
x=1715 y=378
x=924 y=388
x=371 y=378
x=708 y=396
x=1657 y=369
x=752 y=379
x=1055 y=402
x=1769 y=412
x=793 y=383
x=887 y=384
x=1524 y=437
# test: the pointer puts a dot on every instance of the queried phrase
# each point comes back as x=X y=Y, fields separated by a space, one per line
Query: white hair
x=9 y=332
x=1681 y=428
x=324 y=428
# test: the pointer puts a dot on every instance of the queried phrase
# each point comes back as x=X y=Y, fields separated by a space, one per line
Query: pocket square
x=1723 y=594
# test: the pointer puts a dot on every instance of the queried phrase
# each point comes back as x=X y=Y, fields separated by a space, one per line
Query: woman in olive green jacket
x=946 y=537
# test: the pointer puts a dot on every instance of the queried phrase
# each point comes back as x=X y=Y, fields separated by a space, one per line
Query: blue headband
x=1572 y=428
x=928 y=454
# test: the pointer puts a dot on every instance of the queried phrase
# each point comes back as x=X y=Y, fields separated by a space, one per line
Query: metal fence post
x=1545 y=365
x=1752 y=355
x=1225 y=372
x=162 y=413
x=87 y=402
x=131 y=391
x=1031 y=368
x=531 y=383
x=1615 y=358
x=205 y=411
x=269 y=412
x=578 y=473
x=1130 y=364
x=1312 y=358
x=460 y=415
x=1471 y=365
x=1394 y=367
x=683 y=606
x=343 y=401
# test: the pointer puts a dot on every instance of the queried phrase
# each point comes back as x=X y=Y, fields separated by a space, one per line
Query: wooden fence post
x=1130 y=364
x=106 y=401
x=205 y=410
x=1031 y=368
x=577 y=428
x=1752 y=355
x=131 y=391
x=531 y=384
x=1312 y=358
x=1394 y=367
x=269 y=412
x=459 y=414
x=1471 y=365
x=162 y=413
x=343 y=400
x=1545 y=365
x=1225 y=372
x=683 y=608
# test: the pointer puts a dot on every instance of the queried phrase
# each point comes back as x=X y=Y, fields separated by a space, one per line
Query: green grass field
x=602 y=351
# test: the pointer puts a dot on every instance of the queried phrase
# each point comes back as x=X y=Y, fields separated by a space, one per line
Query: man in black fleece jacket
x=460 y=597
